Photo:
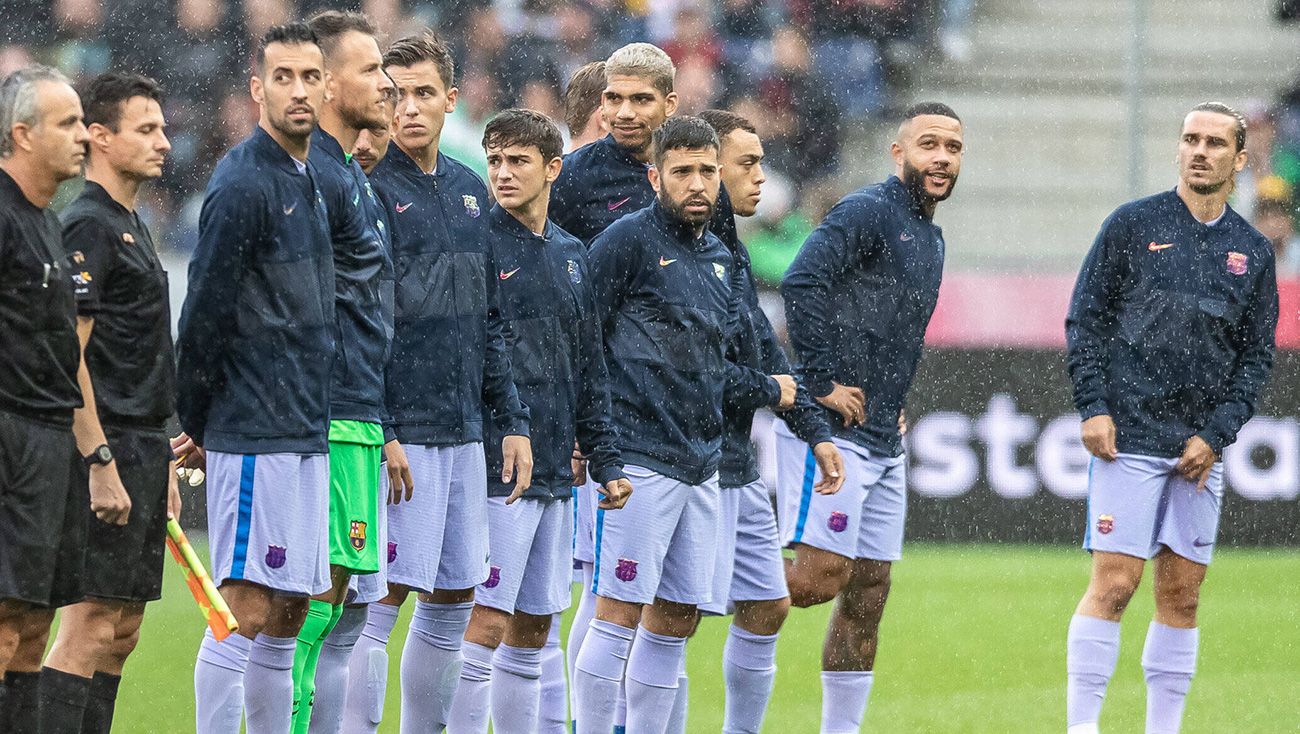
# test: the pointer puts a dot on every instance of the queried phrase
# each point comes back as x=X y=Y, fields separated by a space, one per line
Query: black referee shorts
x=125 y=562
x=42 y=513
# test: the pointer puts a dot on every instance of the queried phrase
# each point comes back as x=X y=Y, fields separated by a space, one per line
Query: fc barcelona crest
x=626 y=570
x=275 y=556
x=357 y=534
x=1237 y=263
x=471 y=204
x=575 y=275
x=720 y=270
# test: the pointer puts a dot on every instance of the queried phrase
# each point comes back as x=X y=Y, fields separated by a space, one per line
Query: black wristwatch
x=102 y=456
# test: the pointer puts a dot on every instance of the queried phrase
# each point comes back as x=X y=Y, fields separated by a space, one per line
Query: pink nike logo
x=400 y=208
x=616 y=204
x=1156 y=247
x=506 y=276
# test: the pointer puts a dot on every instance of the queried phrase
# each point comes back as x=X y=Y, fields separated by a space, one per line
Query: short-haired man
x=356 y=89
x=1170 y=340
x=42 y=550
x=750 y=573
x=664 y=294
x=858 y=298
x=254 y=355
x=605 y=180
x=582 y=98
x=449 y=372
x=372 y=143
x=124 y=322
x=548 y=306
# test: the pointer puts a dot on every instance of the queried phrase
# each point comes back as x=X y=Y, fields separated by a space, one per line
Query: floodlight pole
x=1133 y=88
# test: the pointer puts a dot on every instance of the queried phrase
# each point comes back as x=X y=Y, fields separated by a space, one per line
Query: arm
x=747 y=388
x=108 y=498
x=1258 y=326
x=227 y=229
x=805 y=419
x=501 y=395
x=614 y=267
x=596 y=434
x=1091 y=318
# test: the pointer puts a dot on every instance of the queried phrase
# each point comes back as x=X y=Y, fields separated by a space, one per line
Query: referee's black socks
x=100 y=705
x=63 y=701
x=22 y=702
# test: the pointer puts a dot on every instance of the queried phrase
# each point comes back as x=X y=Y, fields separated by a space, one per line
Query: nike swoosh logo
x=289 y=209
x=905 y=237
x=665 y=263
x=356 y=199
x=1157 y=248
x=1202 y=543
x=401 y=208
x=616 y=204
x=506 y=276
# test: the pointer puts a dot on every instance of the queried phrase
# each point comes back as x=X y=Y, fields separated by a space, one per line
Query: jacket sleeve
x=596 y=433
x=1258 y=328
x=806 y=419
x=746 y=388
x=614 y=264
x=499 y=392
x=229 y=222
x=845 y=237
x=1091 y=318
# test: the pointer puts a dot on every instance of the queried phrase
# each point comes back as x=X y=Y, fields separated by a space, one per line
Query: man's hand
x=189 y=455
x=108 y=498
x=517 y=452
x=579 y=466
x=614 y=494
x=788 y=390
x=849 y=402
x=400 y=483
x=1197 y=461
x=173 y=493
x=1099 y=437
x=831 y=463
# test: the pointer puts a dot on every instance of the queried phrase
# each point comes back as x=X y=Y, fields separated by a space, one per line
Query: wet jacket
x=449 y=356
x=363 y=283
x=256 y=341
x=598 y=184
x=667 y=309
x=545 y=289
x=1170 y=331
x=858 y=298
x=755 y=345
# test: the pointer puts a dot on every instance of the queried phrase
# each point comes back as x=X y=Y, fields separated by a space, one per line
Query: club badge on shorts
x=471 y=204
x=494 y=577
x=837 y=522
x=392 y=551
x=357 y=534
x=275 y=556
x=1105 y=524
x=1237 y=263
x=626 y=570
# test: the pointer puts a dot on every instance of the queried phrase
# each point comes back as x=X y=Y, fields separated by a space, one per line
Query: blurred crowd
x=1269 y=193
x=808 y=71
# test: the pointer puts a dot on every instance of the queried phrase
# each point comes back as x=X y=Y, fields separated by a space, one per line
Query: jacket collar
x=266 y=148
x=407 y=165
x=506 y=222
x=328 y=144
x=899 y=193
x=619 y=153
x=677 y=229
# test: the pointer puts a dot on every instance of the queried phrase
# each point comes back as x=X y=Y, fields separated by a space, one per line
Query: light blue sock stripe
x=600 y=530
x=243 y=524
x=805 y=496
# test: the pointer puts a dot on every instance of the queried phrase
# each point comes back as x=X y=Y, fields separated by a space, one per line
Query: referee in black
x=124 y=322
x=42 y=508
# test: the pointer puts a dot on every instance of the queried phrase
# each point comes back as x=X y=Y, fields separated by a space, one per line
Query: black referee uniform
x=42 y=509
x=121 y=285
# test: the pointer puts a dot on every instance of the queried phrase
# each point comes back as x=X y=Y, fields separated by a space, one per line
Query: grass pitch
x=973 y=641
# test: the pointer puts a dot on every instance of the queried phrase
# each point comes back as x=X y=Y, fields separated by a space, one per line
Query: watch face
x=103 y=454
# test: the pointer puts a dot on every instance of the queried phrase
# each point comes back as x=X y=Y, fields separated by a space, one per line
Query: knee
x=762 y=618
x=126 y=638
x=810 y=589
x=1113 y=593
x=1178 y=601
x=866 y=602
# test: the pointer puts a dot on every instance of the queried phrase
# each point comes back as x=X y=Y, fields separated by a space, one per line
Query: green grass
x=973 y=641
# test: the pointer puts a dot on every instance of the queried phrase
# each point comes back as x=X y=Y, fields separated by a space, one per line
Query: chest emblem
x=1237 y=263
x=720 y=270
x=402 y=207
x=665 y=262
x=506 y=276
x=471 y=204
x=288 y=210
x=127 y=238
x=78 y=257
x=575 y=275
x=1157 y=247
x=905 y=237
x=616 y=204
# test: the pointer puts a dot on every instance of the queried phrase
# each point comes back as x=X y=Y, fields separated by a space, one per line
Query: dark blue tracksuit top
x=363 y=283
x=256 y=339
x=449 y=357
x=599 y=183
x=1170 y=331
x=667 y=311
x=755 y=346
x=550 y=313
x=858 y=298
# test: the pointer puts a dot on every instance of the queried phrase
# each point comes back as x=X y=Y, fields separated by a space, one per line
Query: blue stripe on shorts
x=243 y=524
x=805 y=497
x=600 y=530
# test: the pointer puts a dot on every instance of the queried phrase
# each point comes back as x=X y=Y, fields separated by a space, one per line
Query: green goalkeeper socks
x=321 y=618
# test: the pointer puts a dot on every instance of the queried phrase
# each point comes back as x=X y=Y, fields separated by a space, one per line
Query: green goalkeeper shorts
x=356 y=450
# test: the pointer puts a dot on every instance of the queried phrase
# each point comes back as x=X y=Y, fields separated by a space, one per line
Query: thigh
x=631 y=542
x=545 y=588
x=725 y=551
x=371 y=587
x=125 y=562
x=36 y=481
x=416 y=526
x=463 y=563
x=759 y=573
x=511 y=529
x=1125 y=499
x=830 y=522
x=354 y=479
x=690 y=561
x=884 y=512
x=1190 y=524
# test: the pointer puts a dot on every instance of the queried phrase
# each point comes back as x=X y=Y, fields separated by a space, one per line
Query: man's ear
x=553 y=169
x=652 y=173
